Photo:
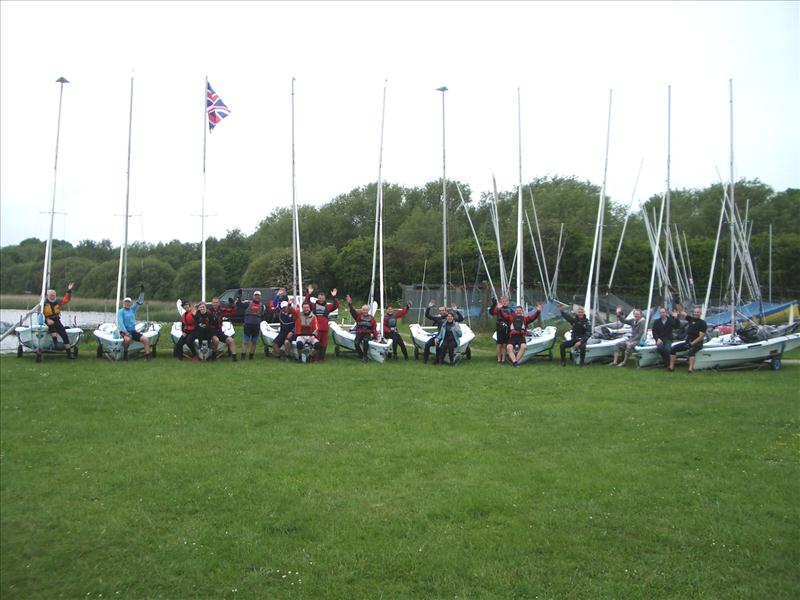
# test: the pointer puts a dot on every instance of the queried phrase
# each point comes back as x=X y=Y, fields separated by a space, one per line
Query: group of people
x=307 y=324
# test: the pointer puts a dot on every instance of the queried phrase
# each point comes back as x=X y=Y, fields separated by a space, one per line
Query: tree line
x=337 y=243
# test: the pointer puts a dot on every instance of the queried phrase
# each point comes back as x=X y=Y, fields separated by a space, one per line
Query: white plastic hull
x=203 y=353
x=37 y=338
x=598 y=350
x=537 y=341
x=344 y=338
x=110 y=342
x=420 y=336
x=729 y=355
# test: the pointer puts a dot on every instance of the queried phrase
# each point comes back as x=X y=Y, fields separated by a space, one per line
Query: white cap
x=256 y=293
x=127 y=299
x=284 y=304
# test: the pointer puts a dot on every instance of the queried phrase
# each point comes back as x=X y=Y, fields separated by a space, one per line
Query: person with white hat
x=126 y=323
x=282 y=344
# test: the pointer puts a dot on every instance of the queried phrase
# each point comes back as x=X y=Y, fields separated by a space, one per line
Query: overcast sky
x=564 y=57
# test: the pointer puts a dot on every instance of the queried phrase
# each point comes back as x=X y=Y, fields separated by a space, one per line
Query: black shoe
x=563 y=363
x=250 y=356
x=233 y=358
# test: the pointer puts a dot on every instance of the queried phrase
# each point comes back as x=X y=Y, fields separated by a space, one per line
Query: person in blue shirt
x=126 y=323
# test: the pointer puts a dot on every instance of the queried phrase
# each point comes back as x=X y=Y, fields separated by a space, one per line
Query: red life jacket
x=188 y=321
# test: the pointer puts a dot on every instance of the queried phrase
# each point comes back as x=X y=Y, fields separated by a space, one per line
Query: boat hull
x=420 y=336
x=38 y=338
x=344 y=338
x=203 y=352
x=538 y=341
x=110 y=342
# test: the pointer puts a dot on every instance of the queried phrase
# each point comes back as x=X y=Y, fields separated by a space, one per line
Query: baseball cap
x=127 y=299
x=256 y=293
x=284 y=304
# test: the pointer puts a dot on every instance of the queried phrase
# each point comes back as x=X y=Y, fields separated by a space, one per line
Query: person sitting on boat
x=663 y=331
x=438 y=321
x=518 y=325
x=390 y=328
x=631 y=340
x=306 y=330
x=580 y=335
x=275 y=304
x=282 y=344
x=254 y=312
x=448 y=339
x=501 y=311
x=322 y=311
x=205 y=325
x=187 y=312
x=366 y=328
x=695 y=336
x=51 y=313
x=222 y=313
x=126 y=323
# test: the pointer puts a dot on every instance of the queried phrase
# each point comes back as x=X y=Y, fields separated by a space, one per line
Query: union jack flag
x=215 y=107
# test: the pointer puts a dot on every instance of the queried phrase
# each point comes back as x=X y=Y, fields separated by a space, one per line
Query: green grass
x=342 y=480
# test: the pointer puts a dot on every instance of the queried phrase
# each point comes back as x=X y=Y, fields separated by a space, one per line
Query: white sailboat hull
x=38 y=338
x=420 y=335
x=600 y=350
x=736 y=353
x=343 y=337
x=537 y=341
x=176 y=332
x=110 y=342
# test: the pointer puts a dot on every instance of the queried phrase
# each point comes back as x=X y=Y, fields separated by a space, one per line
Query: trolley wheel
x=416 y=353
x=266 y=350
x=468 y=353
x=99 y=351
x=39 y=357
x=153 y=352
x=336 y=349
x=75 y=351
x=775 y=364
x=19 y=351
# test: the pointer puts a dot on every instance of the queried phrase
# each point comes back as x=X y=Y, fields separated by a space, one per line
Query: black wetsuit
x=438 y=320
x=580 y=333
x=695 y=327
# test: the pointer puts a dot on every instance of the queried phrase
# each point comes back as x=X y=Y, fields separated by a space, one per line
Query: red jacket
x=188 y=321
x=387 y=326
x=304 y=324
x=364 y=325
x=525 y=320
x=321 y=311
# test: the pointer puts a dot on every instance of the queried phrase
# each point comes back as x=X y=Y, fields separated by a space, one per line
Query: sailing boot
x=251 y=356
x=233 y=357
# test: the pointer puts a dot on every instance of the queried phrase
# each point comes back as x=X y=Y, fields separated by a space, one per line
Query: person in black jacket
x=663 y=330
x=581 y=330
x=695 y=336
x=438 y=321
x=502 y=311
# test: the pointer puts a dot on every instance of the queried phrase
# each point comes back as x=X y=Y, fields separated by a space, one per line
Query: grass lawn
x=265 y=479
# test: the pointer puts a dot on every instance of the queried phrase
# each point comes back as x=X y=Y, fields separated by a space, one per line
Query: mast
x=379 y=216
x=520 y=280
x=732 y=213
x=297 y=268
x=665 y=292
x=203 y=201
x=443 y=89
x=770 y=263
x=624 y=226
x=122 y=277
x=49 y=245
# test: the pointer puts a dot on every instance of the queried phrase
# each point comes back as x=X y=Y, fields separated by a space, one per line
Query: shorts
x=135 y=335
x=502 y=333
x=307 y=339
x=221 y=336
x=279 y=341
x=516 y=339
x=250 y=333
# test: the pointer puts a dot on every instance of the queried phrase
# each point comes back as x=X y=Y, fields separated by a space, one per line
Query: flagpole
x=48 y=247
x=443 y=89
x=203 y=199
